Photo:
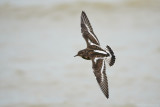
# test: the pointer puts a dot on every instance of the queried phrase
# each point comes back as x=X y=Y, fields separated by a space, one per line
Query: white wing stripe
x=91 y=43
x=102 y=75
x=91 y=33
x=99 y=51
x=95 y=59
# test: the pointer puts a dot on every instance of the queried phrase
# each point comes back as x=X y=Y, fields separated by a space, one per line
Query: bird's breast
x=86 y=57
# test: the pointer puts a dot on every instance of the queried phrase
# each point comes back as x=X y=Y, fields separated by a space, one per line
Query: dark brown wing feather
x=87 y=31
x=113 y=58
x=99 y=69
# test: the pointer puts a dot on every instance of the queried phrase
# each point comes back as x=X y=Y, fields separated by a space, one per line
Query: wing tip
x=83 y=12
x=105 y=91
x=107 y=96
x=83 y=15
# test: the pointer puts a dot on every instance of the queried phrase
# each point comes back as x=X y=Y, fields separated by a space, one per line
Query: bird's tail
x=111 y=61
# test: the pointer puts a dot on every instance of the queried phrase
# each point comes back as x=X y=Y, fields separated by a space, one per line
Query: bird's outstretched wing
x=87 y=31
x=99 y=68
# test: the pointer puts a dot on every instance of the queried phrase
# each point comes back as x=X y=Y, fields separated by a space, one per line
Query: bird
x=96 y=54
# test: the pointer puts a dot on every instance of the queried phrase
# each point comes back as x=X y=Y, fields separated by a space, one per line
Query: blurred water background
x=39 y=38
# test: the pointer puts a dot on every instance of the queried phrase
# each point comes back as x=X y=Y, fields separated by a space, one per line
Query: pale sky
x=46 y=2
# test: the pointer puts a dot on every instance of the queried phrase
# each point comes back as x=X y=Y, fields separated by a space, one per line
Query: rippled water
x=38 y=42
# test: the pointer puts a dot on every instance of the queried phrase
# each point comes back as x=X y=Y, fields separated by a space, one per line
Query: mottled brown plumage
x=95 y=53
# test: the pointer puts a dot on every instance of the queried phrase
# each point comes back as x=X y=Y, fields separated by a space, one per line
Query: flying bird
x=96 y=54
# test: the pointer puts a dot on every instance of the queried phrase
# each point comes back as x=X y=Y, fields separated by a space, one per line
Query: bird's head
x=80 y=53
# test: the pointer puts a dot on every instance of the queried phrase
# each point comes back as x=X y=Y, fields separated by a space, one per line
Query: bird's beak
x=76 y=55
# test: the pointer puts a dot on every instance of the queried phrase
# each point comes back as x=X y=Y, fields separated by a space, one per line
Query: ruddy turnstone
x=95 y=53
